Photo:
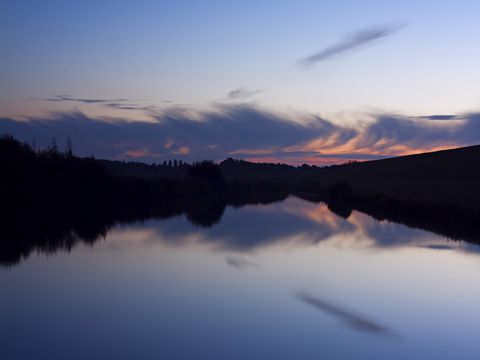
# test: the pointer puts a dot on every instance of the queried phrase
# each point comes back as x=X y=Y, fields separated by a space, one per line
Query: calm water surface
x=289 y=280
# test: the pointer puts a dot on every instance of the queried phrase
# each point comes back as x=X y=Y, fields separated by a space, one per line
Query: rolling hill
x=447 y=177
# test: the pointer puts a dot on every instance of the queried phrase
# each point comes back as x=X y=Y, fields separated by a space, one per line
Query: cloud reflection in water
x=351 y=319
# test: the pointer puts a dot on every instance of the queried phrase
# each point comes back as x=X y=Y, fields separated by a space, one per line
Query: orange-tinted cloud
x=250 y=133
x=182 y=150
x=297 y=160
x=138 y=154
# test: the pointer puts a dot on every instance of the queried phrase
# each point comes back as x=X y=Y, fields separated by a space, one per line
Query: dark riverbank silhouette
x=52 y=200
x=437 y=191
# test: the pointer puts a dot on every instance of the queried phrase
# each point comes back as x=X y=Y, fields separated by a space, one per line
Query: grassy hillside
x=448 y=177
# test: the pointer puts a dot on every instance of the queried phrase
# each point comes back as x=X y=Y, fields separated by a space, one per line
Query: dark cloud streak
x=352 y=42
x=440 y=117
x=82 y=100
x=123 y=106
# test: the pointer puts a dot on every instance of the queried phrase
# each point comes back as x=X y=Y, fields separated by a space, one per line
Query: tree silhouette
x=69 y=147
x=207 y=171
x=53 y=145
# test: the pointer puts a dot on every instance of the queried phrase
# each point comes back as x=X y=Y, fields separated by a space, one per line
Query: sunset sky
x=281 y=81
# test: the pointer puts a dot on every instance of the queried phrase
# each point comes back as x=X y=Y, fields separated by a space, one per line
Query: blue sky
x=156 y=55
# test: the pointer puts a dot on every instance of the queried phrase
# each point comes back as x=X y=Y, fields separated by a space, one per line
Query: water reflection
x=351 y=319
x=270 y=221
x=240 y=263
x=162 y=287
x=46 y=234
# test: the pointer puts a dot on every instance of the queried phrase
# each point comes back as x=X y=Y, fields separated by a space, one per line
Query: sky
x=319 y=82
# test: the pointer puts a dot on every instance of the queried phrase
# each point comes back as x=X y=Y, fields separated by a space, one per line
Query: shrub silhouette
x=207 y=171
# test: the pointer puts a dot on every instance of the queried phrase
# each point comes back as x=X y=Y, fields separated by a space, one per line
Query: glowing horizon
x=366 y=80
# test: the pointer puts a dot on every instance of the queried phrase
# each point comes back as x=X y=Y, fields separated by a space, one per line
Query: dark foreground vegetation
x=52 y=199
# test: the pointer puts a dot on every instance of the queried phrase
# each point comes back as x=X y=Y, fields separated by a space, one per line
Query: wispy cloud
x=193 y=134
x=351 y=319
x=117 y=104
x=240 y=263
x=57 y=98
x=352 y=42
x=249 y=132
x=242 y=93
x=440 y=117
x=127 y=106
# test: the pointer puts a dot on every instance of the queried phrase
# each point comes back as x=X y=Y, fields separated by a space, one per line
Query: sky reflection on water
x=249 y=287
